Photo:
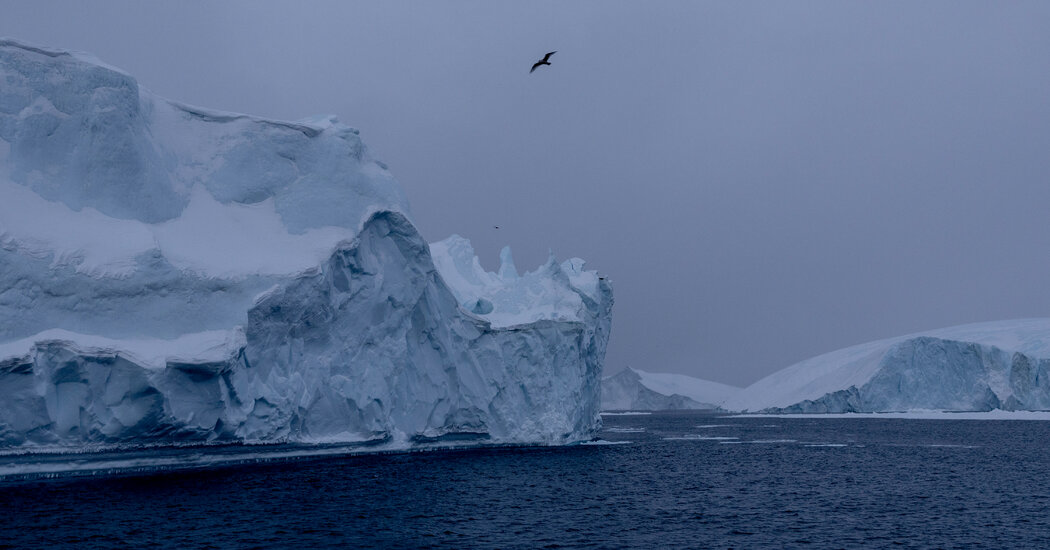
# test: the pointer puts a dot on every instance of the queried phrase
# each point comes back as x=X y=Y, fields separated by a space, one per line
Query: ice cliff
x=170 y=273
x=978 y=367
x=637 y=390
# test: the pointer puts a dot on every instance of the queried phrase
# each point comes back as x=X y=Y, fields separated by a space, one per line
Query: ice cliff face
x=979 y=367
x=635 y=390
x=169 y=273
x=84 y=134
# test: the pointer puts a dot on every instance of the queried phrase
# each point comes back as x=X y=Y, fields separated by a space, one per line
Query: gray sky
x=762 y=181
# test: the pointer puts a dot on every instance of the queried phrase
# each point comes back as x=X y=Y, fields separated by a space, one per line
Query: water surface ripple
x=679 y=483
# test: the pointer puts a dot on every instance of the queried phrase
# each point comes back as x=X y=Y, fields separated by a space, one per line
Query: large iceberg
x=977 y=367
x=170 y=273
x=637 y=390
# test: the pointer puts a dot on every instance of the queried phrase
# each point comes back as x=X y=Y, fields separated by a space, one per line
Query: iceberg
x=173 y=274
x=977 y=367
x=637 y=390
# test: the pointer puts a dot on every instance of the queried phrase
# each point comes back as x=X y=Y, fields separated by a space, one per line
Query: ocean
x=661 y=480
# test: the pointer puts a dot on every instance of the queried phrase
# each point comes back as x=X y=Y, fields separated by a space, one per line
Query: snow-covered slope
x=633 y=389
x=977 y=367
x=171 y=273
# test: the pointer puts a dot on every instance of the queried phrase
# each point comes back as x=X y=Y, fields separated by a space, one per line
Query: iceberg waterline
x=171 y=273
x=980 y=367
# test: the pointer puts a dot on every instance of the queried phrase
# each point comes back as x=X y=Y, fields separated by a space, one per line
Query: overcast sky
x=762 y=181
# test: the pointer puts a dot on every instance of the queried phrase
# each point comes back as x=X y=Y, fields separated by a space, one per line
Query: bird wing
x=548 y=56
x=537 y=64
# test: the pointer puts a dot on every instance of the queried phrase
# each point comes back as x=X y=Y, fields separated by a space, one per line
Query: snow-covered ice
x=554 y=291
x=633 y=389
x=976 y=367
x=171 y=273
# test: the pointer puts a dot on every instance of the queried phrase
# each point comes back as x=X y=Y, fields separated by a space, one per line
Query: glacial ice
x=994 y=366
x=633 y=389
x=170 y=273
x=977 y=367
x=554 y=291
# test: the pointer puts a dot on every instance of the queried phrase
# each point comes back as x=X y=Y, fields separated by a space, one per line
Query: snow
x=505 y=299
x=702 y=391
x=151 y=353
x=242 y=239
x=88 y=240
x=633 y=389
x=813 y=378
x=98 y=172
x=84 y=57
x=975 y=367
x=170 y=273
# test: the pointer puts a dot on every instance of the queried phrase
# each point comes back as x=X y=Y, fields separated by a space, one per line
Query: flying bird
x=543 y=61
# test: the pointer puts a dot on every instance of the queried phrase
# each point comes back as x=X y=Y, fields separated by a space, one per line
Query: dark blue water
x=772 y=482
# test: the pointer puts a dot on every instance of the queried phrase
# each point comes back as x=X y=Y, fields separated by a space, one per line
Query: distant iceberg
x=637 y=390
x=170 y=273
x=978 y=367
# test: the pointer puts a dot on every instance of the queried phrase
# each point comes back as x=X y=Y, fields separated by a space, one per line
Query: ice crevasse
x=170 y=273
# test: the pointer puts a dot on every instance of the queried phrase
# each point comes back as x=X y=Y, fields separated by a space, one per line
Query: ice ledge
x=151 y=353
x=84 y=57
